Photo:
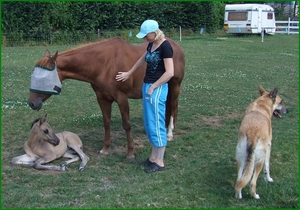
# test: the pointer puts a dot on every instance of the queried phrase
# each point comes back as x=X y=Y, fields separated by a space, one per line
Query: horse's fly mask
x=45 y=80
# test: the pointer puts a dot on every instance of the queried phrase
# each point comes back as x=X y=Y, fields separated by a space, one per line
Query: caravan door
x=259 y=19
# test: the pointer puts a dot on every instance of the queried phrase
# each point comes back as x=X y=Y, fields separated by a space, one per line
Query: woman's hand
x=122 y=76
x=150 y=90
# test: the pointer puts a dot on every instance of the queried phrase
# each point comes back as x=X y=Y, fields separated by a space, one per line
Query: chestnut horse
x=98 y=63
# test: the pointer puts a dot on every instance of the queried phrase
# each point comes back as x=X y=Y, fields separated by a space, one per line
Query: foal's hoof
x=63 y=166
x=81 y=168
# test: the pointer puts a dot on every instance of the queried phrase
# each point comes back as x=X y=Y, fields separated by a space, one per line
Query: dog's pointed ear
x=261 y=90
x=273 y=94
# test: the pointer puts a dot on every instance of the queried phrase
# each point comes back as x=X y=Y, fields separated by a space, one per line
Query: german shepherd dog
x=254 y=140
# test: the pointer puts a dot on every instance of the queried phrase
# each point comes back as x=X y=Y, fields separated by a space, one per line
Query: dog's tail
x=245 y=165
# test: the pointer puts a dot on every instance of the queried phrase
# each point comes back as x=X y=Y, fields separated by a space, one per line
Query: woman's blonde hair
x=159 y=34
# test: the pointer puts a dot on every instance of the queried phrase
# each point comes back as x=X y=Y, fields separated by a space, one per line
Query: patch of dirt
x=222 y=38
x=217 y=121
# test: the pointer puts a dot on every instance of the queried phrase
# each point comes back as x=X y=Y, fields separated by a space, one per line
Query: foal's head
x=44 y=131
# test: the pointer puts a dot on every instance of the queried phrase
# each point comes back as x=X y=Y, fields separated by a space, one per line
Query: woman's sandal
x=146 y=162
x=154 y=167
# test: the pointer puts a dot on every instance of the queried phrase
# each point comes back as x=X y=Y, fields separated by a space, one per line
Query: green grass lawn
x=221 y=80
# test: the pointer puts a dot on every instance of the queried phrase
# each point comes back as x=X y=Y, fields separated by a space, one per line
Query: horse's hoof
x=81 y=168
x=170 y=138
x=131 y=159
x=101 y=152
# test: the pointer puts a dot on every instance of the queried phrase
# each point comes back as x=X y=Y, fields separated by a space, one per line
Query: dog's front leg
x=267 y=177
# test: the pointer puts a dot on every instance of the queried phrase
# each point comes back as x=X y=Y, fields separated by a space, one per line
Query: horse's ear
x=47 y=53
x=261 y=90
x=53 y=58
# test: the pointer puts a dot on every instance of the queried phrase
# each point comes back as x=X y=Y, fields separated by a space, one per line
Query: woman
x=160 y=69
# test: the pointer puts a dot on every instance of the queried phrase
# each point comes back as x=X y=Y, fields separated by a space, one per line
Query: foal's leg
x=75 y=143
x=76 y=157
x=38 y=164
x=73 y=158
x=25 y=160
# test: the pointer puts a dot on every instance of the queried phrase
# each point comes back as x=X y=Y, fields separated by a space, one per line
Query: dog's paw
x=256 y=196
x=268 y=179
x=238 y=195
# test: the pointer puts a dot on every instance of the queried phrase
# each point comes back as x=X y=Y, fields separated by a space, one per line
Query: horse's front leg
x=105 y=106
x=124 y=109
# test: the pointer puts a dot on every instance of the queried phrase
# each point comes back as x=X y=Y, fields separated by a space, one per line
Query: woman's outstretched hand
x=122 y=76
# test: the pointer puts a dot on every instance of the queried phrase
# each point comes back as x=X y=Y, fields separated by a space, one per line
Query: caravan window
x=238 y=16
x=270 y=16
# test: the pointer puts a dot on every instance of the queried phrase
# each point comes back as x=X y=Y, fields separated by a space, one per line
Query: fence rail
x=287 y=27
x=61 y=37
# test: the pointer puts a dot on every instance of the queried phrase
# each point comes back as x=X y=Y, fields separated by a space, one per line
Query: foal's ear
x=43 y=119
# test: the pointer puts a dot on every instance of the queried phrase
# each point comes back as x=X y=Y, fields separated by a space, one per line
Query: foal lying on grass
x=44 y=146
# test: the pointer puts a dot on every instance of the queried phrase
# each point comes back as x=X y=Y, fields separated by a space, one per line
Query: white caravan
x=249 y=19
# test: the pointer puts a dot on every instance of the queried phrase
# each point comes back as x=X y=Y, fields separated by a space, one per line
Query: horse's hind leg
x=172 y=107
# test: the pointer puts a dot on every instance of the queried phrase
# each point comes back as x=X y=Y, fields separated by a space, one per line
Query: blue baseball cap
x=147 y=27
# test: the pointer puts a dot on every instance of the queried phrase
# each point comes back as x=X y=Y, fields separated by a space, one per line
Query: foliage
x=37 y=17
x=221 y=79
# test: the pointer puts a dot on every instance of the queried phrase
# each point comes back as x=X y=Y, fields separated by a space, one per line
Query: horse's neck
x=68 y=70
x=78 y=65
x=33 y=139
x=84 y=63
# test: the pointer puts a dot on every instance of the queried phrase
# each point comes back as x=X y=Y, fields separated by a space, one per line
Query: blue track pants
x=154 y=111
